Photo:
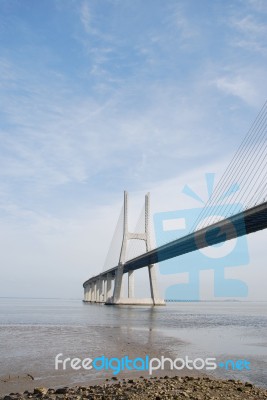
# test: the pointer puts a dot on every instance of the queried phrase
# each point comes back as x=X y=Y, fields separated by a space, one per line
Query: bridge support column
x=118 y=284
x=102 y=290
x=118 y=297
x=89 y=292
x=153 y=283
x=131 y=284
x=109 y=287
x=93 y=296
x=97 y=291
x=93 y=292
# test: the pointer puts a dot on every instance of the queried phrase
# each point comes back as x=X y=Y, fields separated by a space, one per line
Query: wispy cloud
x=250 y=32
x=238 y=86
x=85 y=15
x=52 y=140
x=258 y=5
x=185 y=27
x=249 y=25
x=241 y=75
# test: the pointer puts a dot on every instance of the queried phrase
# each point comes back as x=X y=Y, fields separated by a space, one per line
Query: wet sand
x=33 y=334
x=40 y=372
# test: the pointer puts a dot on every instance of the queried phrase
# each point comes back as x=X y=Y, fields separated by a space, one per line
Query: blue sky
x=99 y=96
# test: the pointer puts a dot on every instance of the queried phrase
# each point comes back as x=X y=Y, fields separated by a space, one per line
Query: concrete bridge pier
x=153 y=283
x=109 y=292
x=88 y=293
x=99 y=288
x=104 y=288
x=93 y=292
x=118 y=297
x=130 y=284
x=118 y=284
x=93 y=295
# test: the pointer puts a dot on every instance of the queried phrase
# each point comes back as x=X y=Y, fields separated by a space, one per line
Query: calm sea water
x=33 y=331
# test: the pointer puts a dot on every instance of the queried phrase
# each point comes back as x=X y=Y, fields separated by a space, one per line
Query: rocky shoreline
x=193 y=388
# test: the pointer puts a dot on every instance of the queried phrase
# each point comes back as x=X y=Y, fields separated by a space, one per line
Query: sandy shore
x=34 y=372
x=194 y=388
x=28 y=363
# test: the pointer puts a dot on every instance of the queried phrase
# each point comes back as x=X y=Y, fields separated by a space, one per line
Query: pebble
x=155 y=389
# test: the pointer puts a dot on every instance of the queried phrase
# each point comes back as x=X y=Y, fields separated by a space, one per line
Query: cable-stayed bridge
x=244 y=184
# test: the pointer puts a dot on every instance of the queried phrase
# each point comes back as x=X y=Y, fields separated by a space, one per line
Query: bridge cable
x=113 y=253
x=246 y=151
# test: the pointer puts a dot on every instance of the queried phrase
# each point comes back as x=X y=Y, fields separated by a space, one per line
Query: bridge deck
x=246 y=222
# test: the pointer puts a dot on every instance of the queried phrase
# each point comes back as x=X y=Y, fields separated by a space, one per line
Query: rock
x=63 y=390
x=185 y=395
x=175 y=388
x=40 y=390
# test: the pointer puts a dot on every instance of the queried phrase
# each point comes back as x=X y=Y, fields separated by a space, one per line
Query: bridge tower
x=117 y=297
x=107 y=287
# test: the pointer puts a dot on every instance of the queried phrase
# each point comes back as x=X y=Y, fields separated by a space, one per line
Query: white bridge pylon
x=107 y=287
